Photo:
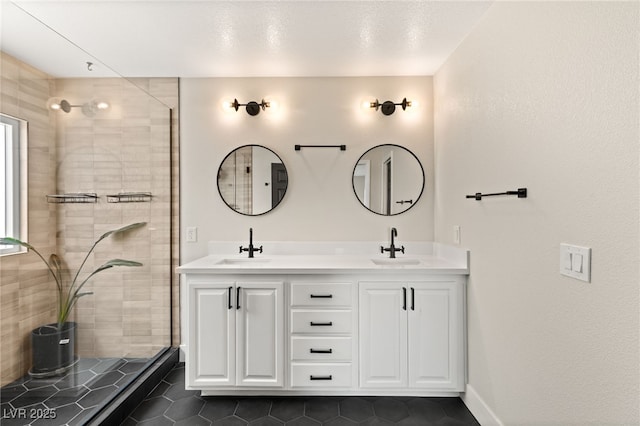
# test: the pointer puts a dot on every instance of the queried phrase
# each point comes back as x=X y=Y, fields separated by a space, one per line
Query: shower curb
x=116 y=411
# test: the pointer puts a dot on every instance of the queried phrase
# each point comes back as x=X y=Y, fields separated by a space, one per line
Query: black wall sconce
x=388 y=107
x=252 y=107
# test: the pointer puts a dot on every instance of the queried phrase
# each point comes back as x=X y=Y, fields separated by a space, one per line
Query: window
x=13 y=165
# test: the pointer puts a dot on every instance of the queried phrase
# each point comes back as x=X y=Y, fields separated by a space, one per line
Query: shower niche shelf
x=86 y=197
x=130 y=197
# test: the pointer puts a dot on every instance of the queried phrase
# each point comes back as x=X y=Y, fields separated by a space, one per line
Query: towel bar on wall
x=521 y=193
x=342 y=147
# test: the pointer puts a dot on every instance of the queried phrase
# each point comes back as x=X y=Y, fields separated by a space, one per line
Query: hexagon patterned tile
x=170 y=404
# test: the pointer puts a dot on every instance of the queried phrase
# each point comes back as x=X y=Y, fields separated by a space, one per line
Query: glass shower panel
x=122 y=154
x=99 y=161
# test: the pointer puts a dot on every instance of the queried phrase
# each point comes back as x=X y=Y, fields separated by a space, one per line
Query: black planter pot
x=53 y=350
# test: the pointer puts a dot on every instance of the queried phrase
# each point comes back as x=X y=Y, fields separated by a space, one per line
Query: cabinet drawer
x=321 y=375
x=321 y=322
x=326 y=349
x=321 y=294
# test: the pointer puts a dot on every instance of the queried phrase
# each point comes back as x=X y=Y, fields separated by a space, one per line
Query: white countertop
x=328 y=258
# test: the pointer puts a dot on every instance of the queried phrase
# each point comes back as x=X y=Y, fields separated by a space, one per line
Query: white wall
x=544 y=95
x=320 y=204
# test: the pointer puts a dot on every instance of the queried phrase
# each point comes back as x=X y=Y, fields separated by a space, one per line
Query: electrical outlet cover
x=192 y=234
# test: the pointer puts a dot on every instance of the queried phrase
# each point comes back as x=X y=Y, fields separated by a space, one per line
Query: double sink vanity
x=330 y=318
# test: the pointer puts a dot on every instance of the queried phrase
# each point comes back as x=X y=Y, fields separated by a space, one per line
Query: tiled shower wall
x=131 y=147
x=126 y=148
x=27 y=299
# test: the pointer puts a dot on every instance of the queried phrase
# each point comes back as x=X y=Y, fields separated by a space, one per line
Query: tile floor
x=170 y=404
x=68 y=399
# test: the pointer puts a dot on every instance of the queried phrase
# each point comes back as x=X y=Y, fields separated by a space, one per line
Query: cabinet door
x=211 y=351
x=435 y=336
x=383 y=335
x=260 y=334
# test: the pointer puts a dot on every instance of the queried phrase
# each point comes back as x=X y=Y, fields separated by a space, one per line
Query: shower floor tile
x=68 y=399
x=170 y=404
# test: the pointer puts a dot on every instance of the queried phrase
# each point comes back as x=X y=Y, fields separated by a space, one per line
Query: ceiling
x=177 y=38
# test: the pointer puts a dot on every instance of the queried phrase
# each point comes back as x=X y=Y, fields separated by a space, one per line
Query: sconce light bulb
x=54 y=104
x=227 y=106
x=230 y=105
x=272 y=105
x=102 y=105
x=368 y=104
x=413 y=104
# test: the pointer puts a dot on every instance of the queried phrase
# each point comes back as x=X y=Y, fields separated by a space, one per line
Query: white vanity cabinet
x=235 y=333
x=412 y=334
x=356 y=323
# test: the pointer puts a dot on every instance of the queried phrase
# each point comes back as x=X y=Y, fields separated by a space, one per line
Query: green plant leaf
x=107 y=265
x=8 y=241
x=122 y=262
x=56 y=265
x=15 y=241
x=121 y=230
x=112 y=263
x=54 y=260
x=105 y=235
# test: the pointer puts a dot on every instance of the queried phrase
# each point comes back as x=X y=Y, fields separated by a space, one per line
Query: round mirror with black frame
x=388 y=179
x=252 y=180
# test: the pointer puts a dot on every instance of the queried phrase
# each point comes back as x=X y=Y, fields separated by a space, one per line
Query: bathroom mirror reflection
x=252 y=180
x=388 y=179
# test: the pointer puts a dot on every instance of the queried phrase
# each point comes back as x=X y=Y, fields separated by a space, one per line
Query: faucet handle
x=259 y=250
x=241 y=249
x=381 y=249
x=402 y=249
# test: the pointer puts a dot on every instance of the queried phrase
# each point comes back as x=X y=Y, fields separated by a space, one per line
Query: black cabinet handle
x=238 y=297
x=229 y=303
x=404 y=298
x=312 y=377
x=315 y=324
x=321 y=351
x=321 y=296
x=413 y=299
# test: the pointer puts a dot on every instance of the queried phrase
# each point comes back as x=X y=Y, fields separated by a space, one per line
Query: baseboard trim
x=479 y=408
x=183 y=353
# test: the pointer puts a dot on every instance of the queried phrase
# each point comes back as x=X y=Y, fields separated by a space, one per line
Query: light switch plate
x=575 y=262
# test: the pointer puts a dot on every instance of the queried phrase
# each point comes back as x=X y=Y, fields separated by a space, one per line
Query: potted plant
x=53 y=345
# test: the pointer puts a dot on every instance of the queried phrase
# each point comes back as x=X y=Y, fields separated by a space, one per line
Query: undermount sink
x=397 y=261
x=242 y=261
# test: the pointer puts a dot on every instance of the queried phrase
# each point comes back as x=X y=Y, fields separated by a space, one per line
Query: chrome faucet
x=392 y=248
x=251 y=249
